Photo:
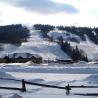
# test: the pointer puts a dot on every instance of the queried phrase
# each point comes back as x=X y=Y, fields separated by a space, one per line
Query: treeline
x=13 y=34
x=75 y=53
x=20 y=59
x=92 y=33
x=44 y=29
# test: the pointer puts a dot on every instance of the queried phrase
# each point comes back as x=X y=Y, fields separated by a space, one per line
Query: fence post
x=23 y=86
x=68 y=88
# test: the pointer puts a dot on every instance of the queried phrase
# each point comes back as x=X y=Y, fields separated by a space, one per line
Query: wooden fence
x=67 y=88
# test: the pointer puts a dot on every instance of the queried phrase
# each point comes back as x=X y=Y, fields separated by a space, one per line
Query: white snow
x=15 y=96
x=92 y=79
x=79 y=77
x=36 y=45
x=66 y=35
x=89 y=48
x=5 y=75
x=50 y=50
x=62 y=69
x=80 y=73
x=94 y=33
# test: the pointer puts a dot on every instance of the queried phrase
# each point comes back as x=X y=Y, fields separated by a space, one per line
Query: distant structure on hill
x=21 y=58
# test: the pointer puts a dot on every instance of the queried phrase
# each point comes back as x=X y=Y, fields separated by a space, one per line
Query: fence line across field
x=24 y=89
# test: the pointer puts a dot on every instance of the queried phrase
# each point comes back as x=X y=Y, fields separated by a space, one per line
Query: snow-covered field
x=53 y=75
x=80 y=73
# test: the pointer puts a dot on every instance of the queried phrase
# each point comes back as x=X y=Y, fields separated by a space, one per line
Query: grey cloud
x=44 y=6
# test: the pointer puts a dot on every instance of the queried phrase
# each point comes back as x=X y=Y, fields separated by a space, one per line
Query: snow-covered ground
x=58 y=75
x=80 y=73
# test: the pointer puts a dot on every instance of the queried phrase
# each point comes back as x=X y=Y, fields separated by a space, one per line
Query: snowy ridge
x=66 y=35
x=37 y=45
x=87 y=46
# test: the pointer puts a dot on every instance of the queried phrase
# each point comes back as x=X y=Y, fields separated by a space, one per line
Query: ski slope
x=37 y=45
x=88 y=47
x=51 y=50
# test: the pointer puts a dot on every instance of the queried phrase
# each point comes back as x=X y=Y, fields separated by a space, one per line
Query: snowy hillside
x=51 y=50
x=37 y=45
x=66 y=35
x=87 y=46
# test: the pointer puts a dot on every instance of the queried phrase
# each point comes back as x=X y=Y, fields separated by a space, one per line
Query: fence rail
x=83 y=86
x=23 y=87
x=11 y=88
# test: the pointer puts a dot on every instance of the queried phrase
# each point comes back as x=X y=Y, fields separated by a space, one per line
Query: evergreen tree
x=60 y=39
x=75 y=53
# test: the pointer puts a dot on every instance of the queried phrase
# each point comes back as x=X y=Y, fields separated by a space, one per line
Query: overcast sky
x=56 y=12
